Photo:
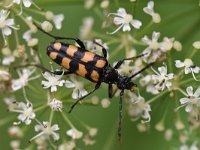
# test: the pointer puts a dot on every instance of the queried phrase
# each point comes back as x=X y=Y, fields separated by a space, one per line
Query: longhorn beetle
x=78 y=60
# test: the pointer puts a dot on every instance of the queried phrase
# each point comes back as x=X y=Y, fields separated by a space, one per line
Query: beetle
x=78 y=60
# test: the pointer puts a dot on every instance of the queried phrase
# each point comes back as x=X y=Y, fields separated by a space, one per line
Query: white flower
x=46 y=26
x=152 y=52
x=189 y=67
x=11 y=102
x=57 y=19
x=124 y=20
x=69 y=145
x=24 y=77
x=46 y=131
x=7 y=60
x=56 y=105
x=167 y=44
x=196 y=44
x=28 y=37
x=192 y=147
x=26 y=112
x=161 y=78
x=150 y=10
x=74 y=133
x=26 y=3
x=78 y=91
x=6 y=24
x=192 y=99
x=139 y=108
x=52 y=81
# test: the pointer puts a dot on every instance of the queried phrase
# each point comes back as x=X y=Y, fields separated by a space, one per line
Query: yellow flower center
x=128 y=18
x=153 y=45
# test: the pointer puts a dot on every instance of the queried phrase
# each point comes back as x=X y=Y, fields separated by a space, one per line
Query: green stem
x=51 y=117
x=156 y=97
x=36 y=11
x=144 y=31
x=40 y=108
x=67 y=120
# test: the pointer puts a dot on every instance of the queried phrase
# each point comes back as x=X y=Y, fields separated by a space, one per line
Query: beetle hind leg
x=96 y=87
x=120 y=116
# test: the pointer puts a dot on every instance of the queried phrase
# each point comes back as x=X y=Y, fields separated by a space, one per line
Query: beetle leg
x=119 y=63
x=120 y=116
x=110 y=90
x=147 y=66
x=80 y=43
x=43 y=69
x=104 y=51
x=96 y=87
x=111 y=93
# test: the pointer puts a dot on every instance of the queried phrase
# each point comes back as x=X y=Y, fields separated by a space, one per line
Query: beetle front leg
x=119 y=63
x=96 y=87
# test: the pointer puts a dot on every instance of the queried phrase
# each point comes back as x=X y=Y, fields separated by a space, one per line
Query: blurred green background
x=179 y=19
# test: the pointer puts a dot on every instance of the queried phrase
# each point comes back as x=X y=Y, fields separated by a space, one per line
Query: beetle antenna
x=146 y=67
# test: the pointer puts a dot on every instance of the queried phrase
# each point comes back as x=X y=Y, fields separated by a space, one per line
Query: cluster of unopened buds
x=160 y=80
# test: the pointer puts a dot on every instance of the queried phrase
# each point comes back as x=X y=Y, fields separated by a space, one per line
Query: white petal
x=121 y=12
x=136 y=23
x=6 y=31
x=75 y=94
x=27 y=3
x=149 y=9
x=187 y=70
x=55 y=136
x=179 y=64
x=190 y=90
x=27 y=35
x=53 y=88
x=10 y=22
x=162 y=70
x=155 y=36
x=58 y=21
x=83 y=92
x=197 y=92
x=184 y=100
x=188 y=108
x=126 y=27
x=55 y=127
x=17 y=1
x=168 y=84
x=69 y=84
x=146 y=40
x=170 y=76
x=196 y=69
x=118 y=20
x=21 y=117
x=61 y=82
x=28 y=121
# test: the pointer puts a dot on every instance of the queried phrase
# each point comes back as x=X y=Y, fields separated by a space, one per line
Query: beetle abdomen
x=82 y=62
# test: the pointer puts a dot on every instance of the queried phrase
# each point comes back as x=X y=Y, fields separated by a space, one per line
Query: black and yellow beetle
x=78 y=60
